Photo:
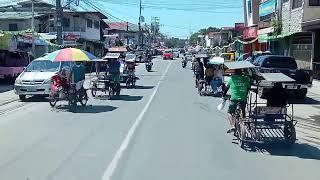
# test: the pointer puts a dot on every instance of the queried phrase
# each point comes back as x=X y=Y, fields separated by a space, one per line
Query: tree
x=194 y=37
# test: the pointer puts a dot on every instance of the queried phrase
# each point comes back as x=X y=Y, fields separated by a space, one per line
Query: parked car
x=257 y=54
x=12 y=63
x=140 y=56
x=288 y=66
x=176 y=53
x=36 y=77
x=167 y=54
x=130 y=56
x=188 y=56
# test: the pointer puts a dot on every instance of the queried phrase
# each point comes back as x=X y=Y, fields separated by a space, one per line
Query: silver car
x=36 y=78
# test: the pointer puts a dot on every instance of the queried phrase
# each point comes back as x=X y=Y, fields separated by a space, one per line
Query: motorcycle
x=148 y=66
x=70 y=94
x=131 y=81
x=184 y=63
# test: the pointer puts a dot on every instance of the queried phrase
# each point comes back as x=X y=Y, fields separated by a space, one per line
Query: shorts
x=233 y=106
x=115 y=77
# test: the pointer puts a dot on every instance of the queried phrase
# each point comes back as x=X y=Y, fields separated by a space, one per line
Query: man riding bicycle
x=239 y=85
x=78 y=75
x=114 y=70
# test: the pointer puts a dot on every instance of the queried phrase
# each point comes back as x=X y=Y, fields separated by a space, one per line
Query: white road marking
x=117 y=157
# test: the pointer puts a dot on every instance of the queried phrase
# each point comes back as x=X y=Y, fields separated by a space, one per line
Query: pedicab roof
x=118 y=49
x=112 y=56
x=239 y=65
x=201 y=56
x=276 y=77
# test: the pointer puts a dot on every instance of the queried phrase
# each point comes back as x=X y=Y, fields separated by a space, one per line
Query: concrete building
x=250 y=32
x=80 y=29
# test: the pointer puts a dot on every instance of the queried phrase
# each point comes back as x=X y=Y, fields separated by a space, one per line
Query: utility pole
x=155 y=27
x=32 y=29
x=127 y=33
x=140 y=8
x=59 y=11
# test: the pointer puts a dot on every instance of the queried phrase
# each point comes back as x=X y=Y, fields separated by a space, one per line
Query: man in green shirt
x=239 y=85
x=78 y=75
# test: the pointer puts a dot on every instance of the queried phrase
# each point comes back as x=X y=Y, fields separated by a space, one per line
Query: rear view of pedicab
x=265 y=122
x=213 y=81
x=106 y=82
x=62 y=89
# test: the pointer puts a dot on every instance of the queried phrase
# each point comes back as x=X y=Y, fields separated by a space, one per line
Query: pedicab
x=61 y=89
x=198 y=75
x=212 y=85
x=103 y=82
x=129 y=71
x=122 y=51
x=264 y=123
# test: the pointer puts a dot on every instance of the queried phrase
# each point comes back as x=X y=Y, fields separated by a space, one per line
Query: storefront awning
x=266 y=38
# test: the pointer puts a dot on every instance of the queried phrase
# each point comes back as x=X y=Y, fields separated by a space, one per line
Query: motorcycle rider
x=239 y=84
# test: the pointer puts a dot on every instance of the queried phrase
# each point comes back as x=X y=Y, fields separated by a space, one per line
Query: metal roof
x=239 y=65
x=18 y=15
x=276 y=77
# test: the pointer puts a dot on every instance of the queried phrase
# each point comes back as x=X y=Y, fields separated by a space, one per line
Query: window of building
x=296 y=4
x=314 y=2
x=96 y=25
x=13 y=27
x=89 y=23
x=284 y=1
x=65 y=22
x=249 y=6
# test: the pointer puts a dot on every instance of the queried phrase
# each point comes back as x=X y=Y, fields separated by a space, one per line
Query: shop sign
x=250 y=33
x=266 y=30
x=267 y=7
x=71 y=36
x=239 y=26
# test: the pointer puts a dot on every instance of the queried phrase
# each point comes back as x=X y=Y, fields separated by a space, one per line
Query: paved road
x=161 y=130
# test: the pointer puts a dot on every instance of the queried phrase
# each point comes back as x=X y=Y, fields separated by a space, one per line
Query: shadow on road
x=120 y=97
x=86 y=109
x=307 y=100
x=36 y=99
x=143 y=87
x=300 y=150
x=6 y=85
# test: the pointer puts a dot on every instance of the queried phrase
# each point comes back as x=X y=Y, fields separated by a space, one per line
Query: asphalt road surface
x=162 y=130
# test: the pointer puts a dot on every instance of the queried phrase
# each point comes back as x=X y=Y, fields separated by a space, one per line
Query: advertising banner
x=267 y=7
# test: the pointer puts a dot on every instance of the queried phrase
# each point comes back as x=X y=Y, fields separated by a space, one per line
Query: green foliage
x=194 y=37
x=175 y=43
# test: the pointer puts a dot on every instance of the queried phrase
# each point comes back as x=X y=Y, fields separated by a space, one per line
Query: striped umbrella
x=70 y=54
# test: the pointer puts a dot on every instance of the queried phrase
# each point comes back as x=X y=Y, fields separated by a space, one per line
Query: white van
x=36 y=77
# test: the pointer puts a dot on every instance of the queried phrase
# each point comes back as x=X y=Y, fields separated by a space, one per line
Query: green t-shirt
x=239 y=86
x=78 y=73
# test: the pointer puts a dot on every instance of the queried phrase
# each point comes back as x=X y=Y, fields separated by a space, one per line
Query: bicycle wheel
x=93 y=91
x=83 y=97
x=52 y=100
x=111 y=92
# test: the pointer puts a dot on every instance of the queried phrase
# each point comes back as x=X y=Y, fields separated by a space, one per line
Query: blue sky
x=177 y=17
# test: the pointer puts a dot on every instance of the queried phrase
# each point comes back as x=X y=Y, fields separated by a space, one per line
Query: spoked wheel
x=111 y=92
x=83 y=97
x=94 y=92
x=133 y=83
x=289 y=132
x=118 y=88
x=52 y=100
x=128 y=83
x=200 y=87
x=242 y=135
